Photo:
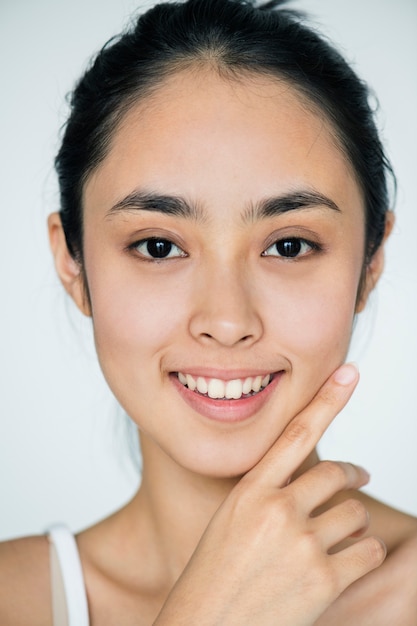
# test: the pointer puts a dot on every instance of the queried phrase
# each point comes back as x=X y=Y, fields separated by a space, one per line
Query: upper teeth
x=230 y=389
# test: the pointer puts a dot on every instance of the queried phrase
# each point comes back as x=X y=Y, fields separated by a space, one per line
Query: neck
x=174 y=506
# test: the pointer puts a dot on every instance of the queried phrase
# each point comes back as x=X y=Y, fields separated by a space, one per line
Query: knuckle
x=273 y=517
x=285 y=510
x=335 y=584
x=310 y=546
x=357 y=508
x=375 y=549
x=334 y=472
x=371 y=553
x=297 y=432
x=319 y=574
x=332 y=582
x=328 y=395
x=326 y=580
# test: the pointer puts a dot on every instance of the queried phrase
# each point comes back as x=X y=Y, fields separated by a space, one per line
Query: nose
x=225 y=311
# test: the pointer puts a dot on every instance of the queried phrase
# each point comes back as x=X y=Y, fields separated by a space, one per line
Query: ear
x=68 y=269
x=374 y=270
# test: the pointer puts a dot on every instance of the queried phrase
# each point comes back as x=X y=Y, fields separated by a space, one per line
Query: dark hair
x=235 y=37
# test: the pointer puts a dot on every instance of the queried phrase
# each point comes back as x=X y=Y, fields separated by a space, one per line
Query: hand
x=264 y=558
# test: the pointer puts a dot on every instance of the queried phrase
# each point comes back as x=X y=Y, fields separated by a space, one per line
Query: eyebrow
x=177 y=206
x=295 y=201
x=149 y=201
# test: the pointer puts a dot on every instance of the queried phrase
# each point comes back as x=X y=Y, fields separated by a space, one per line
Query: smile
x=218 y=389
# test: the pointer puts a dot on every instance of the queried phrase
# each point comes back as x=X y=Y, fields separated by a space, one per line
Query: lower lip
x=227 y=411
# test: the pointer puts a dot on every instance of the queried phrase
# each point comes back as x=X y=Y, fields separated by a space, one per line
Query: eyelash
x=146 y=243
x=299 y=244
x=159 y=242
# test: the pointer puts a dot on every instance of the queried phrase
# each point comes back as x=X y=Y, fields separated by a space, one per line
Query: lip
x=226 y=411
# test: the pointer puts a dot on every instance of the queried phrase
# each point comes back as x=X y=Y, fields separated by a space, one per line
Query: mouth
x=230 y=401
x=217 y=389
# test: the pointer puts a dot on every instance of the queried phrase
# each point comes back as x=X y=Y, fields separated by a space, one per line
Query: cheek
x=134 y=320
x=312 y=327
x=313 y=321
x=327 y=324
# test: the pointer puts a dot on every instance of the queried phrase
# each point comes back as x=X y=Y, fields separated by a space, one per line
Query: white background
x=63 y=450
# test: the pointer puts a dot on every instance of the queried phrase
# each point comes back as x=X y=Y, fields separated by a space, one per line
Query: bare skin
x=122 y=591
x=236 y=520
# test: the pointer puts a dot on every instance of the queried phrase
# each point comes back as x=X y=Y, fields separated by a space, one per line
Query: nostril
x=241 y=340
x=228 y=330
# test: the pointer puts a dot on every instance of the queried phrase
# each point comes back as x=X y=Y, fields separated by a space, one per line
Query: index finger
x=303 y=433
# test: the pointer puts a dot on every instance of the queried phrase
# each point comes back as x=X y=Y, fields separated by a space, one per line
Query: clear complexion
x=203 y=266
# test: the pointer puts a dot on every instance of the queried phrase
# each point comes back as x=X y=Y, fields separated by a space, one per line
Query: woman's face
x=187 y=280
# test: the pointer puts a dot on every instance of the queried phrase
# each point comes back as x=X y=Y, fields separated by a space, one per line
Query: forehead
x=208 y=137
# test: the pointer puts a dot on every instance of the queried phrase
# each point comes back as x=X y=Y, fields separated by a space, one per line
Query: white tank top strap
x=69 y=598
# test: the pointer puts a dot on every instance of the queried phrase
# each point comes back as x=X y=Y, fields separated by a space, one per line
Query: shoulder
x=24 y=582
x=401 y=581
x=395 y=527
x=387 y=595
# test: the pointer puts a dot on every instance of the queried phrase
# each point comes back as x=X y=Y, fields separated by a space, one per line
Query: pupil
x=289 y=247
x=159 y=248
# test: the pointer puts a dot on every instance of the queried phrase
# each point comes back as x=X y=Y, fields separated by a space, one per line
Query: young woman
x=224 y=209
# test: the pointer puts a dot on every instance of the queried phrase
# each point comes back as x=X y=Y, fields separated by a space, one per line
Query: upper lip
x=225 y=375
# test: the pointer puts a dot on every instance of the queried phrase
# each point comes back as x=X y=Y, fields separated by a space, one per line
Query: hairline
x=145 y=94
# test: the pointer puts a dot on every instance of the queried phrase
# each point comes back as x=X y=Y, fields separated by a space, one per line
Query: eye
x=157 y=248
x=290 y=248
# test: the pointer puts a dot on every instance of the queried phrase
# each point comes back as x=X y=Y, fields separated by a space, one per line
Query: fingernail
x=365 y=473
x=346 y=374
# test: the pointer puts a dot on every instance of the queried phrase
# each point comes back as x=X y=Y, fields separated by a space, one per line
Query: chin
x=222 y=463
